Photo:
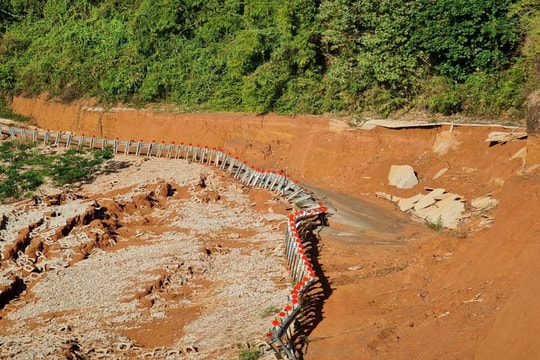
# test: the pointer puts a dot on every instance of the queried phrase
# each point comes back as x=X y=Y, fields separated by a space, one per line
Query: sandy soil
x=390 y=287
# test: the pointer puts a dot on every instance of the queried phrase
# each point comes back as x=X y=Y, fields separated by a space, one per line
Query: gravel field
x=144 y=262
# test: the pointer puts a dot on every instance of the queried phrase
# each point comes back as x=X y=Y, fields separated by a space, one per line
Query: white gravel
x=90 y=303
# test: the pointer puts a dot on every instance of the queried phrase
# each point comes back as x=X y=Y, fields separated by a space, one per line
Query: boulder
x=402 y=176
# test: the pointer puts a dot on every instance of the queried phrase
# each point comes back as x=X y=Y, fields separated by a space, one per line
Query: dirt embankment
x=394 y=289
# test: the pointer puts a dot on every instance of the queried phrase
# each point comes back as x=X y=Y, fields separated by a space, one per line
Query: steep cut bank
x=321 y=151
x=418 y=293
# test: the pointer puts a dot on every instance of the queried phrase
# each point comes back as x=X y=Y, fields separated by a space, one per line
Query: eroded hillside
x=392 y=287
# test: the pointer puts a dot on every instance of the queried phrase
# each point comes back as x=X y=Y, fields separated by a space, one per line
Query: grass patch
x=270 y=310
x=435 y=225
x=24 y=167
x=249 y=354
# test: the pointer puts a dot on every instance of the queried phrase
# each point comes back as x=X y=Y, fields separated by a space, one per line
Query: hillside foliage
x=477 y=57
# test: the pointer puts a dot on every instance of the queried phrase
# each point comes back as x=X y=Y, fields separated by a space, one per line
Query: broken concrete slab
x=497 y=137
x=485 y=222
x=449 y=196
x=402 y=176
x=395 y=124
x=447 y=211
x=388 y=197
x=408 y=203
x=441 y=208
x=484 y=203
x=429 y=199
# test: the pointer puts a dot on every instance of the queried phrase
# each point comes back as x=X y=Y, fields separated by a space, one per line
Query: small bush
x=76 y=165
x=249 y=354
x=447 y=103
x=435 y=225
x=270 y=310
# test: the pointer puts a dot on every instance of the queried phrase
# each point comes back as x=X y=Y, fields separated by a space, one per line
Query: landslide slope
x=392 y=287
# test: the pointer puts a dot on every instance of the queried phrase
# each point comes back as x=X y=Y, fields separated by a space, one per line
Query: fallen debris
x=402 y=176
x=437 y=206
x=484 y=203
x=408 y=203
x=445 y=209
x=497 y=137
x=476 y=298
x=440 y=173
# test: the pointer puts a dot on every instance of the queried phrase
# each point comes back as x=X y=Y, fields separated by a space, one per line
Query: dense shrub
x=306 y=57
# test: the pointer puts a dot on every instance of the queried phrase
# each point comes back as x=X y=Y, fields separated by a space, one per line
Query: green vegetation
x=249 y=354
x=435 y=225
x=476 y=57
x=23 y=167
x=270 y=310
x=7 y=113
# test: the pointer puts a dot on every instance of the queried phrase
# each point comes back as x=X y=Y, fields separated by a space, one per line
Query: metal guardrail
x=281 y=333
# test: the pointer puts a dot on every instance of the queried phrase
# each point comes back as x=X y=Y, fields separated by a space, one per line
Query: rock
x=484 y=203
x=448 y=210
x=408 y=203
x=440 y=173
x=385 y=196
x=429 y=199
x=497 y=137
x=402 y=176
x=445 y=141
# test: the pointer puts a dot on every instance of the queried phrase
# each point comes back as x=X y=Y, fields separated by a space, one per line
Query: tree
x=460 y=37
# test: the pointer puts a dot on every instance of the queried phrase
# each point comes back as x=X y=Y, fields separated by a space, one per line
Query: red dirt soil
x=390 y=287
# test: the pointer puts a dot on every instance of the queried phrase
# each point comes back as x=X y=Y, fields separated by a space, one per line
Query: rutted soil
x=146 y=262
x=390 y=287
